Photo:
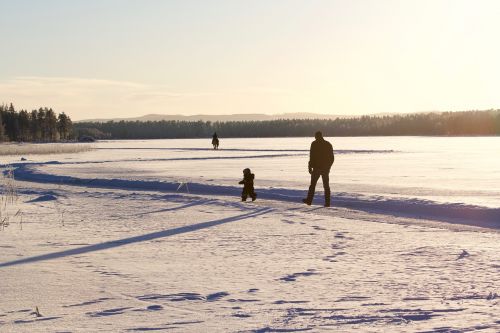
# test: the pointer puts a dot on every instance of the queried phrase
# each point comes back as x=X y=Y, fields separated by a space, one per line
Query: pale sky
x=126 y=58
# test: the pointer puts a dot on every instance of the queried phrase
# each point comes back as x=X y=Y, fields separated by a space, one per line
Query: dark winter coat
x=248 y=180
x=321 y=155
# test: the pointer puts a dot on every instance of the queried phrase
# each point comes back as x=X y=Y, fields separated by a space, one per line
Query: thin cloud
x=84 y=98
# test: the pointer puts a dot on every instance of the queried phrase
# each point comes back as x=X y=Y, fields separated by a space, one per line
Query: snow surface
x=108 y=241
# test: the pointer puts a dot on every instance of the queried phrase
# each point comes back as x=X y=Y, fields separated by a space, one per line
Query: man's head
x=318 y=135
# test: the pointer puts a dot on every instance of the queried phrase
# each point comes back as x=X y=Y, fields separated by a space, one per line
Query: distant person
x=248 y=190
x=215 y=141
x=320 y=161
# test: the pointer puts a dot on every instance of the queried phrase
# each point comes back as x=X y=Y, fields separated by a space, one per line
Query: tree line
x=42 y=125
x=434 y=124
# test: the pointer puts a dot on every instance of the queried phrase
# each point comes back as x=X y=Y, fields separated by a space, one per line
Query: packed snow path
x=87 y=259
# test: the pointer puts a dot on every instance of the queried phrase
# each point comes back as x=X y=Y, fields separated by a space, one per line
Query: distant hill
x=229 y=117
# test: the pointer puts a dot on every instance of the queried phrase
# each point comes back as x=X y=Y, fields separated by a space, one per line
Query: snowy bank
x=409 y=207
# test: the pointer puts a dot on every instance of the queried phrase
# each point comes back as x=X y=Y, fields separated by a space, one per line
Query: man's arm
x=332 y=156
x=309 y=165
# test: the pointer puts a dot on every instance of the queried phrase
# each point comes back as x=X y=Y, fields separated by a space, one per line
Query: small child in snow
x=248 y=190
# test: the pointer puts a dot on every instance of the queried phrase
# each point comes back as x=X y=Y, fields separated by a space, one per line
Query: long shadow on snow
x=197 y=149
x=157 y=159
x=199 y=158
x=341 y=151
x=136 y=239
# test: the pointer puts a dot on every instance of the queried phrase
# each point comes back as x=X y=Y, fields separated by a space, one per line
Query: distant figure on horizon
x=320 y=161
x=248 y=190
x=215 y=141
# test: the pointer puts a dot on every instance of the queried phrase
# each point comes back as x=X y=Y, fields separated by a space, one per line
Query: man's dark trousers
x=325 y=176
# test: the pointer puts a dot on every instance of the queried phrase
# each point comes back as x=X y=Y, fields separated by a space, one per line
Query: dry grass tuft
x=42 y=148
x=8 y=199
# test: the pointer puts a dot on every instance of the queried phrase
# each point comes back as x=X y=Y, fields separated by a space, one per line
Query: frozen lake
x=458 y=170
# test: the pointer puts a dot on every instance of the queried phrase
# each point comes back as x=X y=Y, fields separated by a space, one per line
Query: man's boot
x=308 y=201
x=327 y=198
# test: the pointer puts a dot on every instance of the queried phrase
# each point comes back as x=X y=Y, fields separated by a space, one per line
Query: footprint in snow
x=463 y=255
x=108 y=312
x=293 y=277
x=216 y=296
x=42 y=198
x=316 y=227
x=154 y=308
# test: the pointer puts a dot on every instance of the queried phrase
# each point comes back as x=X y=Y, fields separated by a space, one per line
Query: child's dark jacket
x=247 y=180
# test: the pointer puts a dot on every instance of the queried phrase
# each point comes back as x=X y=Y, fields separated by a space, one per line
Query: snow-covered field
x=108 y=241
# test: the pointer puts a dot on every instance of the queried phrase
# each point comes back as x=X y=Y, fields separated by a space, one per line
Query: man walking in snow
x=320 y=161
